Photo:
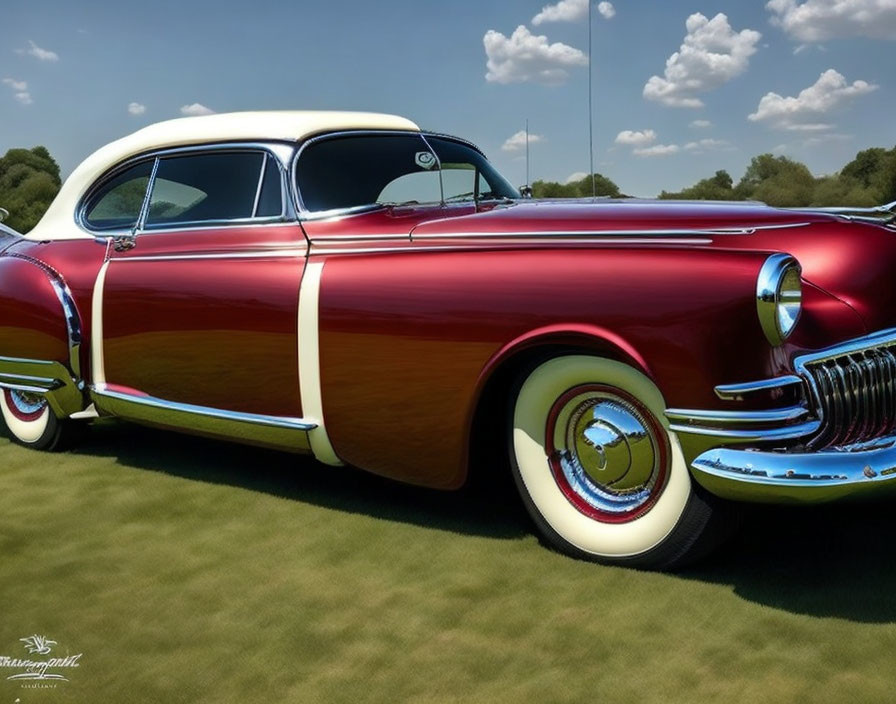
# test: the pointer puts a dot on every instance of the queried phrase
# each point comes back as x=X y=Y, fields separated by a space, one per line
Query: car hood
x=848 y=260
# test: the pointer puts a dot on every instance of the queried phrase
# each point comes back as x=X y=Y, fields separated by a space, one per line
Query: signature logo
x=29 y=669
x=38 y=644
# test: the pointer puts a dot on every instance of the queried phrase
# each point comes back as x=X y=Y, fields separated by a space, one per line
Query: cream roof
x=289 y=125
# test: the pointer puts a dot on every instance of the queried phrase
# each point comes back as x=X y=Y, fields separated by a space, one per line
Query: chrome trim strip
x=33 y=382
x=699 y=417
x=799 y=477
x=459 y=247
x=50 y=379
x=272 y=254
x=588 y=233
x=147 y=198
x=736 y=392
x=102 y=392
x=857 y=344
x=788 y=432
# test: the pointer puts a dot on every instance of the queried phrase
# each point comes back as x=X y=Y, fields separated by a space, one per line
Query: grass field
x=187 y=570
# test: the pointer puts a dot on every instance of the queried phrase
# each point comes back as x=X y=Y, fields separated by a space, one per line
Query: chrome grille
x=854 y=391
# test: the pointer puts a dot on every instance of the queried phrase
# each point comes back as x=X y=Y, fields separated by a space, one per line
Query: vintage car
x=348 y=285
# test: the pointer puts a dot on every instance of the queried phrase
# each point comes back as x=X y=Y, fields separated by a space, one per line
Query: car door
x=199 y=311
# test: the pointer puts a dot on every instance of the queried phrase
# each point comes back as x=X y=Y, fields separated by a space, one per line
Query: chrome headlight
x=779 y=297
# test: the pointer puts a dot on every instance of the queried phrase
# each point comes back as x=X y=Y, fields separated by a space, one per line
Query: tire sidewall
x=572 y=529
x=38 y=433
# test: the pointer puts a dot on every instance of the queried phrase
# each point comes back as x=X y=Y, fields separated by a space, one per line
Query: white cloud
x=563 y=11
x=20 y=90
x=711 y=54
x=706 y=145
x=576 y=176
x=817 y=20
x=701 y=124
x=518 y=141
x=571 y=11
x=42 y=54
x=195 y=109
x=528 y=57
x=658 y=150
x=639 y=138
x=15 y=85
x=136 y=108
x=606 y=10
x=803 y=112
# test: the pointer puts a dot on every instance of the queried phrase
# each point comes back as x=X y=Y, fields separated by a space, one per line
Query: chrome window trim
x=310 y=215
x=264 y=164
x=281 y=151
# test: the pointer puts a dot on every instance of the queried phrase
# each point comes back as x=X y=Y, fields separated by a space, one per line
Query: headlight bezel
x=778 y=300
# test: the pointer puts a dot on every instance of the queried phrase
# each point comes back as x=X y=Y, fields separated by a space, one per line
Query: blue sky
x=817 y=76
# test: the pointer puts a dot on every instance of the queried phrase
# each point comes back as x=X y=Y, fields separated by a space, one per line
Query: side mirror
x=526 y=191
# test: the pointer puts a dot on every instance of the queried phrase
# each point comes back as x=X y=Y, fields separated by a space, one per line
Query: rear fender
x=40 y=333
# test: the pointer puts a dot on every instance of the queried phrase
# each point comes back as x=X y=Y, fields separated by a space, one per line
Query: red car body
x=426 y=317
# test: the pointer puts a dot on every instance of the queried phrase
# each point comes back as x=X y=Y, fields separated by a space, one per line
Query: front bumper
x=797 y=477
x=836 y=438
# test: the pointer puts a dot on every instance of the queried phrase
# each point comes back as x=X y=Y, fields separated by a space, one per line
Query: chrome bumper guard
x=798 y=477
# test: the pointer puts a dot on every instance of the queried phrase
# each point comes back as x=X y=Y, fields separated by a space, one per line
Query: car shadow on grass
x=489 y=508
x=831 y=560
x=825 y=561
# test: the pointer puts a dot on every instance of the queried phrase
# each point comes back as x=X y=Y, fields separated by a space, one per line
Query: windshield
x=394 y=169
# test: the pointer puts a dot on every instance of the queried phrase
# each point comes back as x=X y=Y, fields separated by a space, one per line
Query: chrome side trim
x=523 y=234
x=756 y=435
x=810 y=477
x=263 y=254
x=270 y=431
x=725 y=418
x=736 y=392
x=49 y=379
x=153 y=402
x=320 y=249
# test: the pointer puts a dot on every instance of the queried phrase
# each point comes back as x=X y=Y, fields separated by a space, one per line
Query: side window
x=116 y=204
x=201 y=187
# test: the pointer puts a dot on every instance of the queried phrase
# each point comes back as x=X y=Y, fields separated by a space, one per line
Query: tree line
x=868 y=180
x=29 y=180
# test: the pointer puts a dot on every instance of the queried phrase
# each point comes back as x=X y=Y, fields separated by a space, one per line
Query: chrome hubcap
x=27 y=404
x=608 y=453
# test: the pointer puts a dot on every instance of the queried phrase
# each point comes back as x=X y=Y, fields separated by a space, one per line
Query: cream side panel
x=97 y=359
x=309 y=363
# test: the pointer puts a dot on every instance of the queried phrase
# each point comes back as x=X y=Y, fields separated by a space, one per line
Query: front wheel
x=30 y=420
x=598 y=469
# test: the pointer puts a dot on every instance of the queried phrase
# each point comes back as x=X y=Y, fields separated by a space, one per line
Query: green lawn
x=187 y=570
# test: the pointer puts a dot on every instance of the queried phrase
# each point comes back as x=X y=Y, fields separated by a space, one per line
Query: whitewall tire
x=30 y=420
x=598 y=468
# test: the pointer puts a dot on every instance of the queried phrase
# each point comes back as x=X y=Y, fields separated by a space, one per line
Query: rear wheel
x=30 y=420
x=598 y=469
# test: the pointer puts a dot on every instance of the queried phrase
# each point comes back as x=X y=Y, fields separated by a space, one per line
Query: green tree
x=29 y=180
x=778 y=181
x=603 y=186
x=718 y=187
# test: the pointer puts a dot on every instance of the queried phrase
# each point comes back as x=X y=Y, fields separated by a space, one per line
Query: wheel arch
x=486 y=419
